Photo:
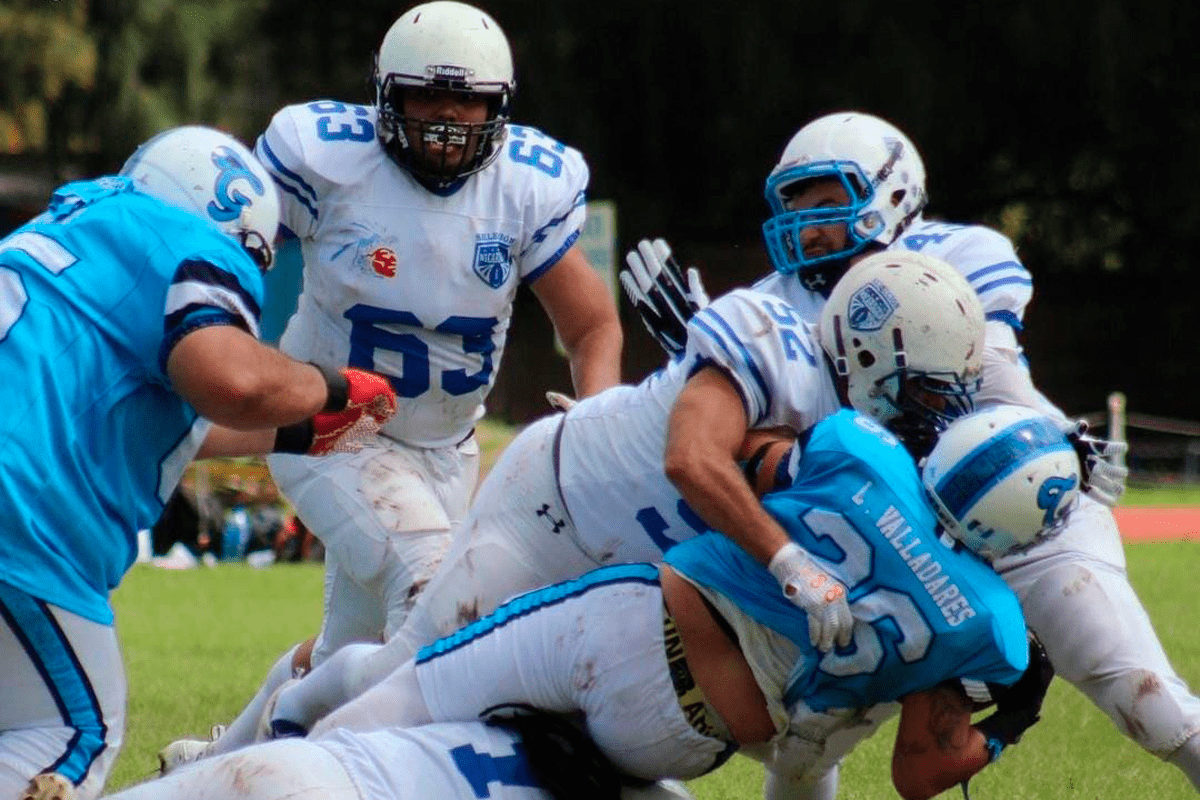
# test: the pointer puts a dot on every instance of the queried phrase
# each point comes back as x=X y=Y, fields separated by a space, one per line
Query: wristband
x=294 y=438
x=994 y=747
x=337 y=390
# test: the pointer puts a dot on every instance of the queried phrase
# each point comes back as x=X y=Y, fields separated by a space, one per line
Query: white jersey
x=412 y=283
x=986 y=258
x=611 y=456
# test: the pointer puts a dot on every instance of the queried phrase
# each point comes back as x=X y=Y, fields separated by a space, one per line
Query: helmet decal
x=228 y=200
x=871 y=307
x=1051 y=495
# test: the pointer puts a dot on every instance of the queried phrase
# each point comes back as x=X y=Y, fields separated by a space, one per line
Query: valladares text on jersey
x=949 y=599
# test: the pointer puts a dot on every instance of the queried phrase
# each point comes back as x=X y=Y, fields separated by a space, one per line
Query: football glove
x=369 y=403
x=663 y=297
x=358 y=405
x=1103 y=473
x=822 y=596
x=1018 y=706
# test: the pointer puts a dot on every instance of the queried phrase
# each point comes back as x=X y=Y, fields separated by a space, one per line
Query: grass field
x=197 y=643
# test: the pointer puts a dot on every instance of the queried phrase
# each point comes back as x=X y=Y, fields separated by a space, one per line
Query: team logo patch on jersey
x=493 y=258
x=383 y=261
x=870 y=307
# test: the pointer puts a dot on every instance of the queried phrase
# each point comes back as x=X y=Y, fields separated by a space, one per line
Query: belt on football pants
x=695 y=706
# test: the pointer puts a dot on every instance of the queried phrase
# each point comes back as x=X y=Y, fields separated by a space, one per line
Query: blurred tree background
x=1071 y=126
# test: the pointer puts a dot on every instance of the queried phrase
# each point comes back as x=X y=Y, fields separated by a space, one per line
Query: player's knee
x=1149 y=708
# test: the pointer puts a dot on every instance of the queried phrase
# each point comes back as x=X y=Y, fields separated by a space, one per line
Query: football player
x=850 y=184
x=418 y=218
x=593 y=486
x=680 y=665
x=518 y=754
x=129 y=315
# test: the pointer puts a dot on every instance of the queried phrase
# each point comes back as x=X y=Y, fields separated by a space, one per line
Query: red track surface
x=1147 y=524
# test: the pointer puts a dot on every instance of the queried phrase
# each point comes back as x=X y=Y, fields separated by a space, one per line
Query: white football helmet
x=443 y=45
x=215 y=177
x=879 y=168
x=1002 y=479
x=904 y=333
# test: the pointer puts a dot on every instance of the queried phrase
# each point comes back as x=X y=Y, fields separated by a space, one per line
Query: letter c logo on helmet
x=1051 y=495
x=228 y=201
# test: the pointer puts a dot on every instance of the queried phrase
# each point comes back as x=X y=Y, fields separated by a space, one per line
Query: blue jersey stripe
x=531 y=602
x=1015 y=280
x=540 y=234
x=51 y=654
x=282 y=175
x=552 y=260
x=705 y=319
x=1003 y=265
x=1007 y=317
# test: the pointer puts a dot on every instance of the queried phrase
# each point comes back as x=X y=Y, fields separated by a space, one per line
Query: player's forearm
x=236 y=381
x=936 y=746
x=223 y=442
x=596 y=359
x=713 y=486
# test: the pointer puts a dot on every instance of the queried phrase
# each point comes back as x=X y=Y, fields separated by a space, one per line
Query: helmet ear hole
x=898 y=197
x=866 y=359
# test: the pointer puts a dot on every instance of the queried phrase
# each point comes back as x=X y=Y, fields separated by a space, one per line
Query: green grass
x=1168 y=495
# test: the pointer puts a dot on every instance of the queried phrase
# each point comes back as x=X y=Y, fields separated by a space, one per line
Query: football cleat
x=185 y=751
x=49 y=786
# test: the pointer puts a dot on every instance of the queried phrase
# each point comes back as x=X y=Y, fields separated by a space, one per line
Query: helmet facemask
x=412 y=142
x=783 y=231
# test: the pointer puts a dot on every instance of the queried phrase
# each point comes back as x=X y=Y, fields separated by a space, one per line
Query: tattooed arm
x=936 y=747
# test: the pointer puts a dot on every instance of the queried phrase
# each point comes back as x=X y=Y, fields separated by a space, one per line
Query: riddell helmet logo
x=448 y=72
x=383 y=261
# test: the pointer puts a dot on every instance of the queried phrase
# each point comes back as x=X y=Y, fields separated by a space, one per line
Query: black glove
x=664 y=299
x=1102 y=469
x=562 y=757
x=1018 y=706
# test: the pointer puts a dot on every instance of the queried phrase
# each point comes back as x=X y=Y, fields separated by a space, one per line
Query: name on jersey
x=948 y=598
x=493 y=258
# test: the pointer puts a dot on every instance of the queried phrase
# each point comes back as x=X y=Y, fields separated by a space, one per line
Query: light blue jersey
x=94 y=293
x=925 y=611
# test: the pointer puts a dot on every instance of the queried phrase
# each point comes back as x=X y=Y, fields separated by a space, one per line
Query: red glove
x=352 y=418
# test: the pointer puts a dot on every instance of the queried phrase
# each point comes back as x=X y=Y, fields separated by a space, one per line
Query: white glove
x=1101 y=463
x=560 y=401
x=664 y=299
x=822 y=596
